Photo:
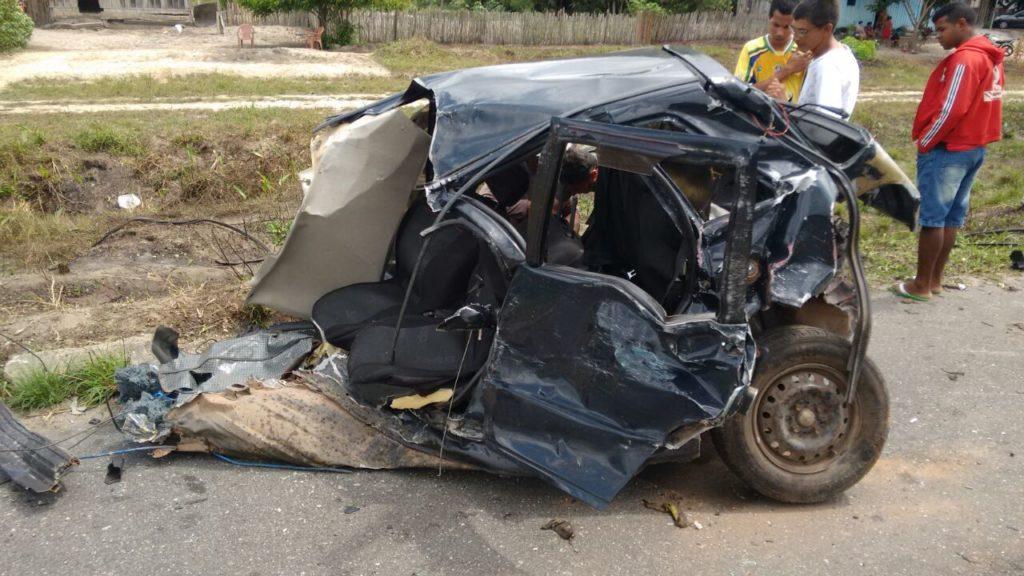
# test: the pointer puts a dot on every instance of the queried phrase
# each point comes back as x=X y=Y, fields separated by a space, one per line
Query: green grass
x=278 y=231
x=193 y=87
x=97 y=137
x=890 y=249
x=92 y=382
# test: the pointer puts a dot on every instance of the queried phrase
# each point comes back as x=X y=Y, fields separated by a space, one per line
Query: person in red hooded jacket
x=960 y=112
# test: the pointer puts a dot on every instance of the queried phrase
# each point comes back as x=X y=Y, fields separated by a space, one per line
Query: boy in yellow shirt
x=772 y=62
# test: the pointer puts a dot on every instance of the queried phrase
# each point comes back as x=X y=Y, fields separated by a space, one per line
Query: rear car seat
x=442 y=280
x=424 y=359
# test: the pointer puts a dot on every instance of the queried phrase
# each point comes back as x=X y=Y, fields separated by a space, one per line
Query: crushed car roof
x=480 y=110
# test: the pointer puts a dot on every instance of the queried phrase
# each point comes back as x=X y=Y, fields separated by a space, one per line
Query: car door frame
x=662 y=145
x=646 y=380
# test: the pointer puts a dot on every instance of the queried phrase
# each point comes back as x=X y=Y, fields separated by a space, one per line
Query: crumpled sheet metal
x=260 y=355
x=555 y=404
x=142 y=420
x=288 y=423
x=37 y=470
x=364 y=174
x=881 y=183
x=481 y=110
x=793 y=234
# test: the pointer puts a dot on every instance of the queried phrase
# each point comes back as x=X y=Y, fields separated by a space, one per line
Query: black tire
x=1004 y=25
x=852 y=436
x=1008 y=50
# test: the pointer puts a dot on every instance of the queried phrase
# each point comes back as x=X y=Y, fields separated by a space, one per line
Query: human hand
x=776 y=90
x=798 y=62
x=519 y=210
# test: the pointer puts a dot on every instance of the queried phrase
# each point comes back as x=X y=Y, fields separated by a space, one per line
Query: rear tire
x=1004 y=25
x=798 y=442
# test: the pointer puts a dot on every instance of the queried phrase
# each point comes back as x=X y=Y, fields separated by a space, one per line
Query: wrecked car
x=713 y=284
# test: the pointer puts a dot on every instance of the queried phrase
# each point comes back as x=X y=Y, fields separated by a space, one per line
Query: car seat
x=442 y=281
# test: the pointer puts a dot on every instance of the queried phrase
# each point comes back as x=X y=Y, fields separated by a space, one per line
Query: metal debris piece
x=30 y=460
x=350 y=510
x=261 y=355
x=132 y=381
x=561 y=527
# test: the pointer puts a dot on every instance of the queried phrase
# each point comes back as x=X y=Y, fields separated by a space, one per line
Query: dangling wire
x=451 y=401
x=770 y=130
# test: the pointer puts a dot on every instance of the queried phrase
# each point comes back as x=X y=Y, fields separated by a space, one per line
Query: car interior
x=633 y=231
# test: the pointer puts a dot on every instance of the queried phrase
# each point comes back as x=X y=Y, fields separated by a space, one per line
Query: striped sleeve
x=743 y=65
x=960 y=91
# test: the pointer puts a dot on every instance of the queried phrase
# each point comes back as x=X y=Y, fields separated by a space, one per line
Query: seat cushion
x=424 y=359
x=342 y=312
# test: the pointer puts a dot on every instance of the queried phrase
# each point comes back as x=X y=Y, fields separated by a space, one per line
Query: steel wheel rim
x=800 y=422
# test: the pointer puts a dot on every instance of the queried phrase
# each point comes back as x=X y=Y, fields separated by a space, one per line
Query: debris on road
x=679 y=517
x=1017 y=260
x=561 y=527
x=30 y=460
x=114 y=469
x=953 y=375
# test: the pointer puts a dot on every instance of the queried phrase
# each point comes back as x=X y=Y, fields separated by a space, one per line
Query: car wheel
x=1004 y=25
x=799 y=442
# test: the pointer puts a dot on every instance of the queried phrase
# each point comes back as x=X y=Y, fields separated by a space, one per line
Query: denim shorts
x=944 y=179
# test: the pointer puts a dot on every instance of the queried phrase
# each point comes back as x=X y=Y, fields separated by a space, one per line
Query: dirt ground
x=160 y=51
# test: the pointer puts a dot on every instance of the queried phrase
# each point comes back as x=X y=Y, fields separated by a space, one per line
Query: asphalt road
x=947 y=496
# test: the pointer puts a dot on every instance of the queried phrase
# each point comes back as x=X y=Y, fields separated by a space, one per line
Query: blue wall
x=850 y=15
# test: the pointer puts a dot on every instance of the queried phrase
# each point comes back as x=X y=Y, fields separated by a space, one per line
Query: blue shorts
x=944 y=179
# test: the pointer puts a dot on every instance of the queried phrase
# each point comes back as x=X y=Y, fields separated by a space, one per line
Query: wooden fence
x=532 y=28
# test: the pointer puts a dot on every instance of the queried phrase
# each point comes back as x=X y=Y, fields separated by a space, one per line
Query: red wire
x=769 y=130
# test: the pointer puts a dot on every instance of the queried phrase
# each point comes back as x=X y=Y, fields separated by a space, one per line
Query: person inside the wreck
x=507 y=191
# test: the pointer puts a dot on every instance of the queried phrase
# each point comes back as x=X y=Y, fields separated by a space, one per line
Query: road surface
x=947 y=496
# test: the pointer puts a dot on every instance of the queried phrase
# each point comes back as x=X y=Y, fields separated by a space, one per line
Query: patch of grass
x=30 y=236
x=92 y=382
x=257 y=315
x=278 y=230
x=97 y=137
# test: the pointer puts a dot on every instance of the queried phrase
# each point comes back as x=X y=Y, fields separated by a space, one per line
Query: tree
x=329 y=13
x=15 y=26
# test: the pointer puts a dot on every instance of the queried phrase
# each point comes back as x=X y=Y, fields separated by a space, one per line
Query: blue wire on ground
x=116 y=452
x=277 y=466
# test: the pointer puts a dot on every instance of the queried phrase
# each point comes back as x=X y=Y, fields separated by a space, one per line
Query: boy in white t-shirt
x=833 y=76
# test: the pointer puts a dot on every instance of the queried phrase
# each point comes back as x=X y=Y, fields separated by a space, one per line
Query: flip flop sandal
x=900 y=290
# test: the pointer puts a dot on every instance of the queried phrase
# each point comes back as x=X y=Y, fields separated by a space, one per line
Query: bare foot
x=914 y=288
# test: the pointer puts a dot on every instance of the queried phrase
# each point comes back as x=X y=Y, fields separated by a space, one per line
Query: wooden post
x=394 y=27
